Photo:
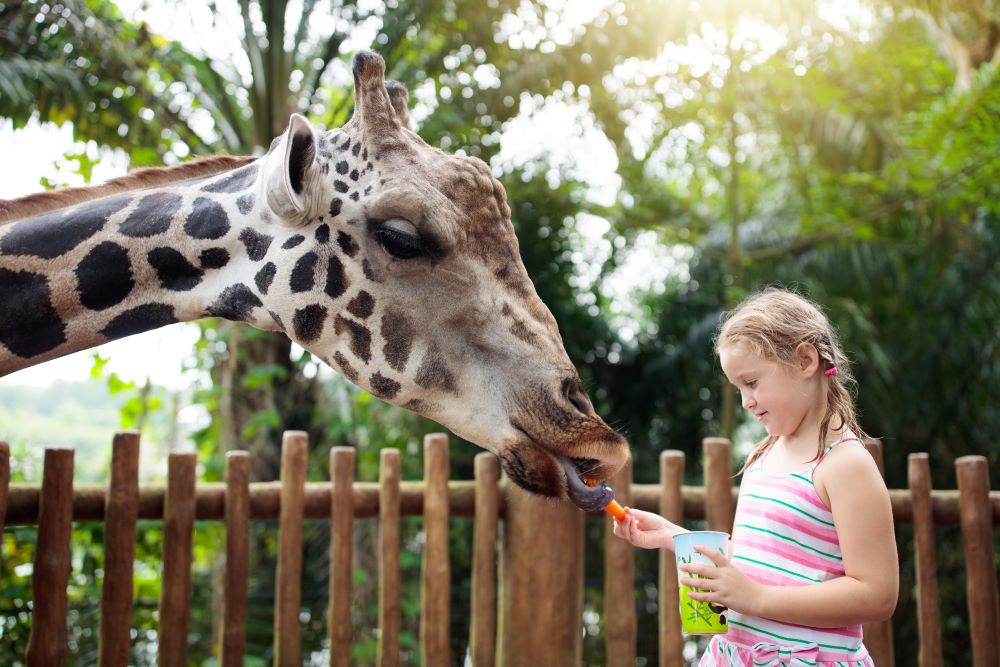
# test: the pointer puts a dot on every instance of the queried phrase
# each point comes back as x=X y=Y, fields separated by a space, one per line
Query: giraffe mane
x=12 y=210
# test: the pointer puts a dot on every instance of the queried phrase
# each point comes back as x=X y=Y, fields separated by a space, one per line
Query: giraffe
x=392 y=261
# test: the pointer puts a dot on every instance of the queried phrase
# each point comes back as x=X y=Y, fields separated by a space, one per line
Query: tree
x=967 y=32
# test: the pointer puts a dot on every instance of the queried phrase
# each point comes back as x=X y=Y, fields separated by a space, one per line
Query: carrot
x=615 y=510
x=612 y=508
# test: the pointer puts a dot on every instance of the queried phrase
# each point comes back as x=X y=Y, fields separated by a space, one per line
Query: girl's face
x=779 y=396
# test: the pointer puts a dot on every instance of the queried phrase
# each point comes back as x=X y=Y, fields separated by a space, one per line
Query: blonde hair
x=772 y=324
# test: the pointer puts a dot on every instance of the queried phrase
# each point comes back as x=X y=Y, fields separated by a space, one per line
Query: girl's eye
x=751 y=384
x=400 y=239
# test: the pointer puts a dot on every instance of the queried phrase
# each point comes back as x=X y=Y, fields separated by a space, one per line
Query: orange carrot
x=612 y=508
x=615 y=510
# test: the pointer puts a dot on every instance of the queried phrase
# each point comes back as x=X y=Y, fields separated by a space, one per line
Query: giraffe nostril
x=573 y=392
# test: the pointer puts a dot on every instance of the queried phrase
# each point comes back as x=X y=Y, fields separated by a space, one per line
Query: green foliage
x=83 y=416
x=80 y=61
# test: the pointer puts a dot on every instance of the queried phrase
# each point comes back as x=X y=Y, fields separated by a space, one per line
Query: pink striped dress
x=784 y=536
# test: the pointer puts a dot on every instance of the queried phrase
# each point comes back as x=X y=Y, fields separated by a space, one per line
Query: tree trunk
x=736 y=271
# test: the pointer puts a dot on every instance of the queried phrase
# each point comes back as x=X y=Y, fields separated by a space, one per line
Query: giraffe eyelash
x=403 y=240
x=399 y=244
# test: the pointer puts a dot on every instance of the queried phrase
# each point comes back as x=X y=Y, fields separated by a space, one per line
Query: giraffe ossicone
x=390 y=260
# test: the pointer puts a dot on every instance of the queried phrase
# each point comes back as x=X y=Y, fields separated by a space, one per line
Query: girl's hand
x=646 y=529
x=722 y=583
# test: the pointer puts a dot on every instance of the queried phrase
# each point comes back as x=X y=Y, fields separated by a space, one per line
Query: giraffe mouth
x=588 y=498
x=581 y=474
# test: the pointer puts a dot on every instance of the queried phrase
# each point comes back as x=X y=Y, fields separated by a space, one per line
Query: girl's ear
x=807 y=359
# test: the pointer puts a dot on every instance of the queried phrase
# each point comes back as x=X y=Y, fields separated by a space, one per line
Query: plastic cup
x=698 y=617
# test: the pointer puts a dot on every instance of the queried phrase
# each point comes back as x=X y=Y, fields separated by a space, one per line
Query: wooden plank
x=288 y=583
x=720 y=507
x=483 y=632
x=619 y=582
x=4 y=485
x=115 y=640
x=928 y=599
x=178 y=535
x=341 y=538
x=47 y=641
x=541 y=570
x=435 y=567
x=389 y=589
x=878 y=635
x=265 y=501
x=981 y=583
x=89 y=501
x=672 y=508
x=237 y=574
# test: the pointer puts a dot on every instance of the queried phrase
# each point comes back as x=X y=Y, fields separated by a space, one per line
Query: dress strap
x=850 y=439
x=846 y=439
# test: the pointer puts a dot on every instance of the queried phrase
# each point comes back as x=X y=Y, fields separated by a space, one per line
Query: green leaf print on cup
x=697 y=617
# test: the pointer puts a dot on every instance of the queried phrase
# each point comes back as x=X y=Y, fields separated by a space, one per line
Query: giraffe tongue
x=587 y=498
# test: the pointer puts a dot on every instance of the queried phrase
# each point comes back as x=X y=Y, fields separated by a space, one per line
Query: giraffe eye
x=400 y=239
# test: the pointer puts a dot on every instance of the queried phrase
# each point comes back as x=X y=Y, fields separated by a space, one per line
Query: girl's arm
x=870 y=585
x=647 y=530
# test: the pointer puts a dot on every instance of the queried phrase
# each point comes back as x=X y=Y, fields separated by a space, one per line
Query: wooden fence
x=527 y=580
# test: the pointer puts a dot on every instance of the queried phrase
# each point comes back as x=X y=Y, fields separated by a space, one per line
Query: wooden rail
x=530 y=607
x=89 y=501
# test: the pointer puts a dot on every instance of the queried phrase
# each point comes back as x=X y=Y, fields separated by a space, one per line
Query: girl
x=813 y=554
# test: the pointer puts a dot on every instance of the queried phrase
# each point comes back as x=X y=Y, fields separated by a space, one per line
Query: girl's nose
x=748 y=402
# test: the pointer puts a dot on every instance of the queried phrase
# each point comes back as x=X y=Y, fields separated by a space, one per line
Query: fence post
x=541 y=570
x=122 y=509
x=4 y=486
x=925 y=562
x=341 y=538
x=671 y=508
x=237 y=576
x=288 y=583
x=387 y=652
x=484 y=561
x=47 y=641
x=435 y=567
x=878 y=635
x=178 y=532
x=619 y=582
x=977 y=532
x=719 y=505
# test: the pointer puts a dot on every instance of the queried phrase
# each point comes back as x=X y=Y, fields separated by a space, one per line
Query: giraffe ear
x=291 y=168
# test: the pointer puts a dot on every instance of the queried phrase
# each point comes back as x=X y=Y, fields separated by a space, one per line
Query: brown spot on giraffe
x=362 y=305
x=398 y=334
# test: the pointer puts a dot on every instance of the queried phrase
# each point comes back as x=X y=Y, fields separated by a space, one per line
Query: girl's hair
x=772 y=324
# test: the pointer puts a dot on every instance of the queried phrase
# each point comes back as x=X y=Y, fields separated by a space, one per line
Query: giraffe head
x=386 y=258
x=411 y=285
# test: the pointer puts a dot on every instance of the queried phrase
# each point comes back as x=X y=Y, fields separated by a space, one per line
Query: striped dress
x=784 y=536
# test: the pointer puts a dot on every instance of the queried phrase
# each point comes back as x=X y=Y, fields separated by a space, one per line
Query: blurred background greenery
x=662 y=159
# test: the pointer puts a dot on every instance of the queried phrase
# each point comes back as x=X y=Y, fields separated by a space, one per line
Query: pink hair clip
x=832 y=370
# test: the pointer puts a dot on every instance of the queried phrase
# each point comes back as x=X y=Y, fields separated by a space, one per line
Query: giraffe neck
x=75 y=278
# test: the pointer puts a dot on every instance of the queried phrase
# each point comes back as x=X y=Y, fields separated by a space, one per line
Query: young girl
x=812 y=554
